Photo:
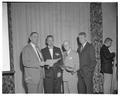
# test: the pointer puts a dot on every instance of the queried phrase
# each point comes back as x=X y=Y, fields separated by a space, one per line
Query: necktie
x=66 y=54
x=38 y=54
x=81 y=47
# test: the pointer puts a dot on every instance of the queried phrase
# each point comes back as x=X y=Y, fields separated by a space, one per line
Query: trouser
x=85 y=83
x=107 y=83
x=52 y=85
x=71 y=86
x=35 y=88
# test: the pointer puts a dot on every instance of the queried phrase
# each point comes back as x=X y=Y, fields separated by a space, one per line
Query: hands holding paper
x=51 y=62
x=42 y=63
x=68 y=69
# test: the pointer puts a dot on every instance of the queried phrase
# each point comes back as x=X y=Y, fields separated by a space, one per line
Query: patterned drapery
x=8 y=85
x=96 y=29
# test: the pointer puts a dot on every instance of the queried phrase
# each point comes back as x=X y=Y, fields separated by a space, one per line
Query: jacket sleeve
x=92 y=58
x=76 y=62
x=107 y=54
x=27 y=61
x=42 y=54
x=60 y=62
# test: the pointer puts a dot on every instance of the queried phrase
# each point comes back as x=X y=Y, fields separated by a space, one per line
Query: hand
x=51 y=62
x=62 y=67
x=42 y=63
x=115 y=61
x=113 y=54
x=48 y=62
x=72 y=72
x=55 y=60
x=59 y=74
x=69 y=69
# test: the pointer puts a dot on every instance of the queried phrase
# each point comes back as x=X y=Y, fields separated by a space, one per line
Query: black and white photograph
x=59 y=47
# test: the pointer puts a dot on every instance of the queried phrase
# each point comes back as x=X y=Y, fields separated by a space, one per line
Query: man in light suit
x=87 y=65
x=71 y=66
x=32 y=62
x=53 y=74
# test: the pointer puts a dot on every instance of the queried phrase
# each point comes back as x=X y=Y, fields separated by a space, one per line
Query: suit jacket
x=87 y=59
x=106 y=59
x=52 y=71
x=72 y=60
x=31 y=63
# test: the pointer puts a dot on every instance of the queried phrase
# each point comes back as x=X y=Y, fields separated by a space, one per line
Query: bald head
x=66 y=45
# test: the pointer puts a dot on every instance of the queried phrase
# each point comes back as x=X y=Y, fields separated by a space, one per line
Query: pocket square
x=57 y=54
x=28 y=78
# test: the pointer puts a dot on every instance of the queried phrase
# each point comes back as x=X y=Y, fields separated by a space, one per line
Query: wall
x=109 y=23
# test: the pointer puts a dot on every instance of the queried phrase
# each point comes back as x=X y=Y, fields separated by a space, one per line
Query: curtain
x=96 y=23
x=62 y=20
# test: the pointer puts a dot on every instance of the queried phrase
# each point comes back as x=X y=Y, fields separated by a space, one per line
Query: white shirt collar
x=33 y=45
x=84 y=44
x=50 y=47
x=51 y=51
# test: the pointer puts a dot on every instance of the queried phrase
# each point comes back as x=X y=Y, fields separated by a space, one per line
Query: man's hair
x=107 y=40
x=31 y=35
x=82 y=33
x=49 y=36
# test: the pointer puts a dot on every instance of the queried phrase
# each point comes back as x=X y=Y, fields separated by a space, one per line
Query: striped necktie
x=81 y=48
x=38 y=54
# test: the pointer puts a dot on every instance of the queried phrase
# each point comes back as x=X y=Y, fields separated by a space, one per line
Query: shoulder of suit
x=26 y=47
x=74 y=52
x=44 y=49
x=90 y=44
x=57 y=48
x=104 y=47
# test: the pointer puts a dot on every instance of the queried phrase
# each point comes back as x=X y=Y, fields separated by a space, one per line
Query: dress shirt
x=83 y=45
x=51 y=52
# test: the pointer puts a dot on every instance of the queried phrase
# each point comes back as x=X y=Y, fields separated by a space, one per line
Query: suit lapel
x=84 y=47
x=70 y=54
x=48 y=53
x=33 y=52
x=53 y=52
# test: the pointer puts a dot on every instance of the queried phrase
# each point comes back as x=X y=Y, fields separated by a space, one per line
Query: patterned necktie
x=66 y=54
x=81 y=48
x=38 y=53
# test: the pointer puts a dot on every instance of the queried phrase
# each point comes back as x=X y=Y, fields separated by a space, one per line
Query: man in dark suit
x=106 y=64
x=53 y=74
x=87 y=65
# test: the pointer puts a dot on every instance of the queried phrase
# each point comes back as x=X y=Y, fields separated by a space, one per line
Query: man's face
x=66 y=46
x=50 y=41
x=82 y=39
x=34 y=38
x=109 y=43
